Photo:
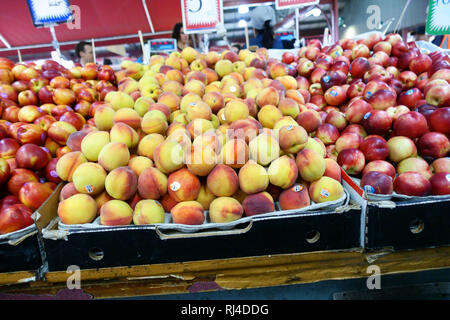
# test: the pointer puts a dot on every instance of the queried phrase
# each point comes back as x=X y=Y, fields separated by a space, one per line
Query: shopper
x=83 y=51
x=263 y=20
x=180 y=36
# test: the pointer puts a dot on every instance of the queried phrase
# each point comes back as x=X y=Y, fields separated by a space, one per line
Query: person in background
x=263 y=20
x=83 y=51
x=236 y=47
x=180 y=36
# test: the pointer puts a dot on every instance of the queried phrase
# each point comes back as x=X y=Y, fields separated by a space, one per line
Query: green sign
x=438 y=21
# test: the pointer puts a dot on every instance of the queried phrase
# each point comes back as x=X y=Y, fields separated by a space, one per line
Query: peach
x=33 y=194
x=198 y=110
x=188 y=99
x=268 y=115
x=199 y=126
x=168 y=202
x=253 y=178
x=222 y=181
x=214 y=100
x=116 y=213
x=154 y=121
x=325 y=189
x=170 y=99
x=309 y=119
x=211 y=140
x=284 y=121
x=225 y=209
x=92 y=144
x=332 y=169
x=201 y=160
x=68 y=163
x=264 y=149
x=104 y=117
x=223 y=67
x=141 y=105
x=245 y=129
x=60 y=131
x=311 y=165
x=267 y=96
x=148 y=212
x=296 y=197
x=152 y=184
x=414 y=164
x=258 y=203
x=114 y=155
x=169 y=156
x=67 y=191
x=119 y=100
x=292 y=139
x=235 y=110
x=101 y=199
x=205 y=197
x=73 y=142
x=128 y=116
x=161 y=107
x=77 y=209
x=183 y=185
x=316 y=145
x=148 y=144
x=188 y=212
x=121 y=132
x=289 y=107
x=235 y=153
x=139 y=164
x=89 y=178
x=283 y=172
x=121 y=183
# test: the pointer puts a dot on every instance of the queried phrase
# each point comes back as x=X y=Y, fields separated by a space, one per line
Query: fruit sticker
x=367 y=115
x=333 y=93
x=447 y=176
x=297 y=188
x=89 y=188
x=53 y=174
x=326 y=78
x=175 y=186
x=409 y=92
x=369 y=189
x=223 y=116
x=193 y=104
x=233 y=89
x=290 y=127
x=324 y=193
x=368 y=95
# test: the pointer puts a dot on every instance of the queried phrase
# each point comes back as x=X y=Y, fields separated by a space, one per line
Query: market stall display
x=223 y=147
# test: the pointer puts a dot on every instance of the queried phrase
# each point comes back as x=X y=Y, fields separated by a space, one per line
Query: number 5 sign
x=201 y=16
x=438 y=21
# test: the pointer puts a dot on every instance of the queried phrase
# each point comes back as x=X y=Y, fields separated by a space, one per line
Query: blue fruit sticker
x=333 y=93
x=369 y=189
x=368 y=95
x=367 y=115
x=326 y=78
x=409 y=92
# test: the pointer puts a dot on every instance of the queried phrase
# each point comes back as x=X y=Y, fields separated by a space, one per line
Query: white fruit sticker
x=447 y=176
x=89 y=188
x=193 y=104
x=297 y=188
x=324 y=193
x=233 y=89
x=175 y=186
x=223 y=116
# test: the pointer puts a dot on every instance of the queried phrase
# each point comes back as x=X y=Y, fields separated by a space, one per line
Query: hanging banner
x=285 y=4
x=201 y=16
x=438 y=21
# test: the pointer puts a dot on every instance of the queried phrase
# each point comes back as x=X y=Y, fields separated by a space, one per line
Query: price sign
x=438 y=21
x=201 y=16
x=49 y=12
x=284 y=4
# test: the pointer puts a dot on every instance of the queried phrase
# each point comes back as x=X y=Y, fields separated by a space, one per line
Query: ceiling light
x=313 y=12
x=242 y=23
x=243 y=9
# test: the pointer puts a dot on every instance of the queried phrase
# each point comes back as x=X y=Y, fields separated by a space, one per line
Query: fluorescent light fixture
x=313 y=12
x=243 y=9
x=242 y=23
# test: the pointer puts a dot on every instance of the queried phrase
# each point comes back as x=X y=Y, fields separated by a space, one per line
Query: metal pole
x=297 y=25
x=148 y=16
x=93 y=50
x=6 y=43
x=55 y=41
x=335 y=21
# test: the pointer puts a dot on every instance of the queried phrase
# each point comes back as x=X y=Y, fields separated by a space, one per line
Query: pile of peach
x=205 y=134
x=40 y=107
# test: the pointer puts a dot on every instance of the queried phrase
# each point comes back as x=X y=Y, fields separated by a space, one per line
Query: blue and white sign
x=49 y=12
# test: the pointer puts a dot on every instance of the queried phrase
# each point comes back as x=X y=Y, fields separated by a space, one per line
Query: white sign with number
x=201 y=16
x=438 y=22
